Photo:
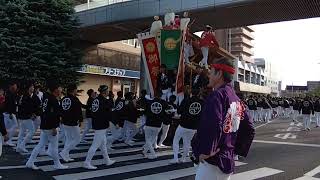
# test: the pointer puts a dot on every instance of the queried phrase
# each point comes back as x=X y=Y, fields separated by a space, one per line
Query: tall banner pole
x=151 y=59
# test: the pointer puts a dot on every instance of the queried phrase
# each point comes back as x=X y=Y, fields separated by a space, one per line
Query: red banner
x=152 y=59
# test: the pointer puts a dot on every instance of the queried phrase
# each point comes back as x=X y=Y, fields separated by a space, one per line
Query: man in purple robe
x=225 y=128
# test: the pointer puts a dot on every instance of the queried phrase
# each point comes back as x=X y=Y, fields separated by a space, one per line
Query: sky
x=293 y=47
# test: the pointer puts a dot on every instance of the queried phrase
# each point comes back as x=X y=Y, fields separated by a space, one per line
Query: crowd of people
x=265 y=108
x=59 y=116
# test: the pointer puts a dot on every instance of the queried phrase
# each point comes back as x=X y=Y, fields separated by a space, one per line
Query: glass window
x=131 y=42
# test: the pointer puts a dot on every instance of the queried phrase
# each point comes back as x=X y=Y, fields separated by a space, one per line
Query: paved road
x=281 y=151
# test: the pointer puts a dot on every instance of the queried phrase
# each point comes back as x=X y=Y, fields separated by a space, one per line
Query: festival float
x=172 y=44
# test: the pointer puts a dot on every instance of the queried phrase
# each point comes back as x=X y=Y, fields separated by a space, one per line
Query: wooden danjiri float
x=181 y=52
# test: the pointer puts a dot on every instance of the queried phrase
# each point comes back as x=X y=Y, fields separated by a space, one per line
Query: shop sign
x=108 y=71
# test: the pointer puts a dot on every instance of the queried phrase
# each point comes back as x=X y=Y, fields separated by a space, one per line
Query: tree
x=315 y=92
x=37 y=41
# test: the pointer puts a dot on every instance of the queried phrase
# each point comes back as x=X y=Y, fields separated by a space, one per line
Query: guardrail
x=95 y=4
x=194 y=3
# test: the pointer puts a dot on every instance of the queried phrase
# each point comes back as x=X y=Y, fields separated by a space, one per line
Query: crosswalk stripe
x=87 y=146
x=307 y=178
x=101 y=161
x=37 y=136
x=111 y=171
x=313 y=172
x=256 y=173
x=84 y=154
x=35 y=143
x=174 y=174
x=168 y=175
x=131 y=165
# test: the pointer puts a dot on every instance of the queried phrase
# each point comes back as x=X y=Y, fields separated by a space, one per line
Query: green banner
x=170 y=48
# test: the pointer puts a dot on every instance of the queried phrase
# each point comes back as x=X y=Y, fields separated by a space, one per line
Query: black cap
x=103 y=88
x=208 y=27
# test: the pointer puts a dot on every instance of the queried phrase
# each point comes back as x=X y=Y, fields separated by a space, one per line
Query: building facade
x=115 y=64
x=250 y=78
x=295 y=91
x=271 y=75
x=313 y=85
x=238 y=41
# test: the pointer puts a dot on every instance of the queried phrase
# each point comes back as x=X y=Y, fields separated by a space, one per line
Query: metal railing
x=96 y=4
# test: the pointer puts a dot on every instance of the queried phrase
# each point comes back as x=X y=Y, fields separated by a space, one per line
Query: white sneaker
x=60 y=166
x=21 y=150
x=32 y=166
x=110 y=149
x=174 y=161
x=70 y=159
x=183 y=160
x=10 y=144
x=64 y=157
x=145 y=154
x=84 y=141
x=110 y=162
x=24 y=150
x=162 y=146
x=156 y=146
x=88 y=166
x=152 y=157
x=129 y=143
x=121 y=139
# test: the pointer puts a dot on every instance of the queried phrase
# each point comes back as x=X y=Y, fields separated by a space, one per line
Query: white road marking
x=112 y=171
x=169 y=175
x=256 y=173
x=307 y=178
x=286 y=136
x=97 y=162
x=87 y=146
x=12 y=167
x=313 y=172
x=37 y=136
x=287 y=143
x=263 y=124
x=84 y=154
x=174 y=174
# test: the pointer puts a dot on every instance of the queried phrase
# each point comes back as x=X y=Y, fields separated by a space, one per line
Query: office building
x=116 y=64
x=271 y=75
x=238 y=41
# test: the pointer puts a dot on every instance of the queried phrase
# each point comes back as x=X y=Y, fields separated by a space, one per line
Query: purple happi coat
x=225 y=125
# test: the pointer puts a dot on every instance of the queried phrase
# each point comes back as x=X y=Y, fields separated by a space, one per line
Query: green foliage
x=37 y=41
x=315 y=92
